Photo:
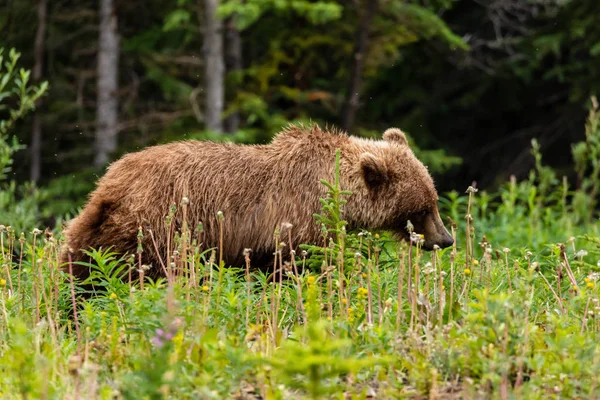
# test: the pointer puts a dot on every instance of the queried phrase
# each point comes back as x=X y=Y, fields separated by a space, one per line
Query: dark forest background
x=472 y=82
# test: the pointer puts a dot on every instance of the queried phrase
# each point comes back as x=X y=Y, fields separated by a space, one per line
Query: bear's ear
x=373 y=170
x=395 y=136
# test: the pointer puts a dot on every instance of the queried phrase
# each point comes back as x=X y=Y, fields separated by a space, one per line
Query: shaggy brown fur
x=257 y=188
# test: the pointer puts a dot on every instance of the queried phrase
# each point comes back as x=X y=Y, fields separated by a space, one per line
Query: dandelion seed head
x=581 y=253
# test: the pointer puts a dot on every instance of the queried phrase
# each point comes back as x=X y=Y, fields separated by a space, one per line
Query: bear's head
x=390 y=187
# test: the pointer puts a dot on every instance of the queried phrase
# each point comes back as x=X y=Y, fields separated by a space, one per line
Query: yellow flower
x=443 y=287
x=364 y=275
x=310 y=280
x=344 y=301
x=205 y=288
x=586 y=280
x=591 y=285
x=377 y=236
x=2 y=282
x=113 y=296
x=475 y=262
x=350 y=310
x=467 y=271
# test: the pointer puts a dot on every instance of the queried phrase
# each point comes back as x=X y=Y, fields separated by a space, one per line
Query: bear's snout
x=435 y=232
x=446 y=241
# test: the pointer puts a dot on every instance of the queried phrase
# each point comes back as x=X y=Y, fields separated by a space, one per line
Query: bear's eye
x=423 y=213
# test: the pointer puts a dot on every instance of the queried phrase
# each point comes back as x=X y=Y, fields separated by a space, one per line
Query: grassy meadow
x=512 y=310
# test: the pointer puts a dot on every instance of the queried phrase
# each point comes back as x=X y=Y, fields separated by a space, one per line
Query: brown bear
x=257 y=188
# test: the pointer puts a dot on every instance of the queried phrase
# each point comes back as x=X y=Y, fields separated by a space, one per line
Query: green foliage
x=18 y=203
x=248 y=12
x=17 y=98
x=314 y=359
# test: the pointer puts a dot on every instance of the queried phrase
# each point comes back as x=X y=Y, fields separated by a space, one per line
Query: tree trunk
x=360 y=51
x=108 y=73
x=233 y=63
x=214 y=70
x=36 y=134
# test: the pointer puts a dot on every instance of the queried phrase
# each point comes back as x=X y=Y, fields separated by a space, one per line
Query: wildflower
x=377 y=236
x=364 y=275
x=443 y=287
x=162 y=337
x=2 y=282
x=36 y=231
x=113 y=296
x=467 y=271
x=590 y=285
x=205 y=288
x=488 y=249
x=185 y=201
x=310 y=280
x=362 y=293
x=344 y=301
x=471 y=189
x=220 y=215
x=506 y=250
x=594 y=276
x=475 y=262
x=436 y=247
